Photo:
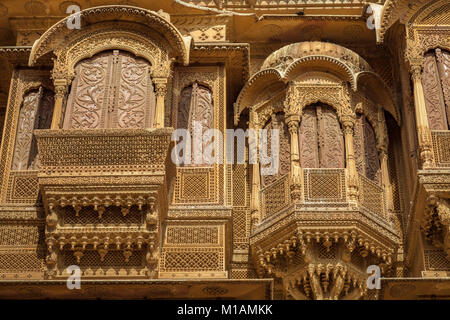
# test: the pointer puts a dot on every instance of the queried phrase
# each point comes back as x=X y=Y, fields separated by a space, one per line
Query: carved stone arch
x=378 y=92
x=318 y=63
x=59 y=35
x=253 y=87
x=371 y=111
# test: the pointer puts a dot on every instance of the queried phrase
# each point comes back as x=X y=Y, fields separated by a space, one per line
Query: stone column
x=256 y=177
x=348 y=124
x=161 y=91
x=61 y=87
x=423 y=129
x=387 y=187
x=293 y=122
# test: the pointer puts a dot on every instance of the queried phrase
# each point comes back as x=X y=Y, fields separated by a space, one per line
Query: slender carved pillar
x=256 y=178
x=348 y=123
x=383 y=154
x=293 y=122
x=61 y=87
x=423 y=129
x=161 y=91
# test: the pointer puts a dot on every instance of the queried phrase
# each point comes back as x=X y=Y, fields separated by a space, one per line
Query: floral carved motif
x=111 y=90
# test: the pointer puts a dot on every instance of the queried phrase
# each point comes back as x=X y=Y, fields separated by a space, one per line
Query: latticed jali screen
x=23 y=188
x=195 y=185
x=441 y=146
x=22 y=251
x=325 y=185
x=195 y=250
x=371 y=196
x=435 y=260
x=275 y=197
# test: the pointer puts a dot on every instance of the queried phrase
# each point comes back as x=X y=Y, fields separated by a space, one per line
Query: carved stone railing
x=371 y=196
x=441 y=147
x=275 y=197
x=325 y=186
x=101 y=191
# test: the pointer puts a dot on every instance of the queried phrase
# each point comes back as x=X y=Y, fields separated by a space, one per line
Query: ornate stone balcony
x=101 y=191
x=322 y=243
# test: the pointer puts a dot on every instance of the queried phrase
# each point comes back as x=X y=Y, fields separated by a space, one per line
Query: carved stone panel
x=365 y=145
x=321 y=139
x=277 y=123
x=443 y=58
x=111 y=90
x=36 y=113
x=434 y=99
x=196 y=106
x=309 y=148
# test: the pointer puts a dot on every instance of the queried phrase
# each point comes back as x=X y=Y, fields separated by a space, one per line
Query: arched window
x=111 y=90
x=35 y=113
x=196 y=106
x=321 y=138
x=365 y=145
x=436 y=84
x=277 y=122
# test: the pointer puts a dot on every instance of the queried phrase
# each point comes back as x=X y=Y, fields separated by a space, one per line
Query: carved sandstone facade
x=87 y=179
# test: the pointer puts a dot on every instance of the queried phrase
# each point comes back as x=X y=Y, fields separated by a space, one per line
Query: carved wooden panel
x=309 y=147
x=111 y=90
x=36 y=113
x=443 y=58
x=196 y=105
x=365 y=146
x=331 y=139
x=321 y=139
x=277 y=123
x=434 y=99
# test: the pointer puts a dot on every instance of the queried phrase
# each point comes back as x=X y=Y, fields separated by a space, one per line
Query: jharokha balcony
x=101 y=189
x=321 y=242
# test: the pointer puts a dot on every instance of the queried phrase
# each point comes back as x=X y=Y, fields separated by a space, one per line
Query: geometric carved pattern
x=19 y=235
x=23 y=261
x=192 y=259
x=371 y=196
x=325 y=185
x=195 y=185
x=436 y=260
x=441 y=147
x=192 y=235
x=194 y=249
x=275 y=197
x=23 y=188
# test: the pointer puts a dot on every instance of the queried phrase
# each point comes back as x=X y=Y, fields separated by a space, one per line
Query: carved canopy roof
x=56 y=36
